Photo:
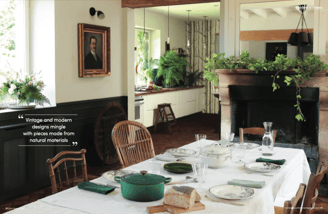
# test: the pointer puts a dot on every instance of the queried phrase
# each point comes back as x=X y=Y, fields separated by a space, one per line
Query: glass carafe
x=267 y=140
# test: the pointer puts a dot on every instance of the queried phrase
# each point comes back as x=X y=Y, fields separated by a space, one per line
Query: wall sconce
x=100 y=14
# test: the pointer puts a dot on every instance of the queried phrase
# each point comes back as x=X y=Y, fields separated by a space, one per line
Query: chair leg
x=157 y=117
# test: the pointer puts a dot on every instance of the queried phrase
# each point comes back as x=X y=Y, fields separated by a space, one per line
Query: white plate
x=262 y=167
x=231 y=192
x=180 y=152
x=14 y=106
x=249 y=145
x=111 y=174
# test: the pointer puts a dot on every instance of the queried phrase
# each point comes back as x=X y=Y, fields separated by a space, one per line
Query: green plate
x=178 y=168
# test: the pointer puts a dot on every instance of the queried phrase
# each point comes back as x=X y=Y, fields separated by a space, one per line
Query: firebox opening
x=251 y=106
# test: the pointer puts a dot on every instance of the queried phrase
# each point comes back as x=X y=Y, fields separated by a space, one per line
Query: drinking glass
x=229 y=136
x=154 y=166
x=200 y=170
x=200 y=140
x=240 y=151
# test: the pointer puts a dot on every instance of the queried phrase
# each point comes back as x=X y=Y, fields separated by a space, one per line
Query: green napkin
x=278 y=162
x=87 y=185
x=247 y=183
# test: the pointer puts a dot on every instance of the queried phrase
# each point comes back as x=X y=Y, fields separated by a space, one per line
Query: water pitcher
x=267 y=140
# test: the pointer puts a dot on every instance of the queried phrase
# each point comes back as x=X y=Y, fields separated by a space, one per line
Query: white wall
x=42 y=45
x=158 y=21
x=276 y=22
x=70 y=87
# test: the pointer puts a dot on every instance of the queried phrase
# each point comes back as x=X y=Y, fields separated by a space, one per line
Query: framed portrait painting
x=94 y=50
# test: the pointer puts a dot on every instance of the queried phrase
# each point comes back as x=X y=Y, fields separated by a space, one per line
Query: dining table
x=279 y=185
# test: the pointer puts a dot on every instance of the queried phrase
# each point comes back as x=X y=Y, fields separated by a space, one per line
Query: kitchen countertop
x=140 y=93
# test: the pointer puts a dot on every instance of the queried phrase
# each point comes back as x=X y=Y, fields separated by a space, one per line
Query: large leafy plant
x=171 y=67
x=23 y=89
x=303 y=70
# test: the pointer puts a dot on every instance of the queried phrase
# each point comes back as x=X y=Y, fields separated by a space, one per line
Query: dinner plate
x=250 y=145
x=262 y=167
x=111 y=174
x=180 y=152
x=178 y=167
x=231 y=192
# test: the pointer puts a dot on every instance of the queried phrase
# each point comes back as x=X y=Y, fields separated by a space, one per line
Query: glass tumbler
x=154 y=166
x=200 y=170
x=200 y=140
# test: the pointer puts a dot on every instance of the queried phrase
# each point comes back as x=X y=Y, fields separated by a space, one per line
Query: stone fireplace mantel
x=244 y=77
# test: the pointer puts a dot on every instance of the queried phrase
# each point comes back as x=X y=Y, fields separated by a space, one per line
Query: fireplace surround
x=239 y=85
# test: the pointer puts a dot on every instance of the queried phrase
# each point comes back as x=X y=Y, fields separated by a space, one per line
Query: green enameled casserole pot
x=143 y=186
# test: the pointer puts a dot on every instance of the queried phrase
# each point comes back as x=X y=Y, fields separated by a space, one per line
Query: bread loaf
x=183 y=196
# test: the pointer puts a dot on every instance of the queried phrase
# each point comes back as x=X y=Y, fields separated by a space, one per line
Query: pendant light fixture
x=188 y=28
x=205 y=39
x=168 y=24
x=302 y=38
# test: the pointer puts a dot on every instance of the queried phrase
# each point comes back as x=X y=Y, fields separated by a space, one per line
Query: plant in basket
x=23 y=89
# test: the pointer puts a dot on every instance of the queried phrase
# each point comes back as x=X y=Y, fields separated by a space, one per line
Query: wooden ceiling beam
x=158 y=3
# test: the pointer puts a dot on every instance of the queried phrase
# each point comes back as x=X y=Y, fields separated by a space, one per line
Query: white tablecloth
x=282 y=185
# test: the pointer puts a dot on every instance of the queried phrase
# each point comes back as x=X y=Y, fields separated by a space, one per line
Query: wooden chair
x=254 y=131
x=133 y=142
x=312 y=190
x=293 y=206
x=69 y=181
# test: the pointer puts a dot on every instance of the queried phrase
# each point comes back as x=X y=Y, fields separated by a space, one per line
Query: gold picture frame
x=94 y=50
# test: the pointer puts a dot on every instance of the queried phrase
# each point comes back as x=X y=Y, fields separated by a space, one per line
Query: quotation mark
x=20 y=116
x=74 y=143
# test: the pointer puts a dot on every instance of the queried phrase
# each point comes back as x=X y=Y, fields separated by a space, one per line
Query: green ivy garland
x=304 y=69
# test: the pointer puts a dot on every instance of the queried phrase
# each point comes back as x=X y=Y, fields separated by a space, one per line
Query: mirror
x=266 y=27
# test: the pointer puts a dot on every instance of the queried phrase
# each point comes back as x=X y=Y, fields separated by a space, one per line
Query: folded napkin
x=278 y=162
x=87 y=185
x=247 y=183
x=165 y=158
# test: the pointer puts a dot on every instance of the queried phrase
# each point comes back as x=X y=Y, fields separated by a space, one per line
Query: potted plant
x=299 y=70
x=23 y=89
x=171 y=67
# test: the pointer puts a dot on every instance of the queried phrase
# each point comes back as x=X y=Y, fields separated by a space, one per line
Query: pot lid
x=143 y=178
x=216 y=149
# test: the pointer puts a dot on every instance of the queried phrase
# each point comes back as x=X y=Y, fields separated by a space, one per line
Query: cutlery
x=193 y=179
x=176 y=182
x=259 y=173
x=223 y=201
x=104 y=184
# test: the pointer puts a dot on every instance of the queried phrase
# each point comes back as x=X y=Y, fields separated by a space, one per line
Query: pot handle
x=167 y=180
x=117 y=179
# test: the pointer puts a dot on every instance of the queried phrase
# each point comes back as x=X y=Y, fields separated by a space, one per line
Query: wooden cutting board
x=173 y=209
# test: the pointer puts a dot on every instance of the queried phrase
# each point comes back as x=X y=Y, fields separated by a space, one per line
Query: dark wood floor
x=198 y=123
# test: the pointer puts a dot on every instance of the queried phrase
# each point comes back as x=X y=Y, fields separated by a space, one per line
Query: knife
x=223 y=201
x=176 y=182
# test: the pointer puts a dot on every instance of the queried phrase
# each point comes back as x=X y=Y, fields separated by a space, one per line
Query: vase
x=267 y=140
x=18 y=105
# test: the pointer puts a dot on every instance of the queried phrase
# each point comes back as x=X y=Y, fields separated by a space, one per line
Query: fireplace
x=251 y=105
x=247 y=100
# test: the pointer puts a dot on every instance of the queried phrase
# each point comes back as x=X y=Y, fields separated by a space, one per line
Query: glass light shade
x=188 y=43
x=168 y=40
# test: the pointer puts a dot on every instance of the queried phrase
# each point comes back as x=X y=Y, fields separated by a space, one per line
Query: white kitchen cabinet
x=183 y=103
